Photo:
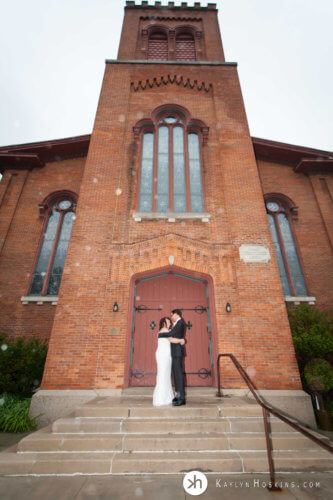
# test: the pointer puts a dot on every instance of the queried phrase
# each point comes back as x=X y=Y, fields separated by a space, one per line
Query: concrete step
x=222 y=461
x=168 y=412
x=279 y=441
x=165 y=425
x=174 y=462
x=161 y=462
x=55 y=463
x=42 y=441
x=48 y=442
x=203 y=391
x=217 y=442
x=100 y=411
x=287 y=461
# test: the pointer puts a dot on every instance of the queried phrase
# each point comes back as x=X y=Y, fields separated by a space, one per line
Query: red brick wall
x=313 y=196
x=89 y=344
x=20 y=233
x=108 y=247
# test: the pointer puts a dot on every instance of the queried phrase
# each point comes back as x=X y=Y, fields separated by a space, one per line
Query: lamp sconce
x=115 y=307
x=228 y=307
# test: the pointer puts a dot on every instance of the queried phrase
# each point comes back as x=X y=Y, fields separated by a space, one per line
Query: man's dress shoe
x=179 y=402
x=175 y=399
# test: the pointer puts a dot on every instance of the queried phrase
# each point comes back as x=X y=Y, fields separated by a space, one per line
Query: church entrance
x=154 y=298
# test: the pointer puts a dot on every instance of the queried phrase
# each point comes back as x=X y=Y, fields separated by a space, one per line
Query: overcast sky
x=53 y=52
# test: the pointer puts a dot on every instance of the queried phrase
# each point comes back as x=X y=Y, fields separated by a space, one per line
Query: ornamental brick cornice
x=170 y=18
x=179 y=80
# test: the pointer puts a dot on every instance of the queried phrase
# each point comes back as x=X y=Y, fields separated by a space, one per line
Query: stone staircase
x=127 y=435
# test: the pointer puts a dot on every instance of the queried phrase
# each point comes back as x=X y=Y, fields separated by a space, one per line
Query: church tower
x=170 y=214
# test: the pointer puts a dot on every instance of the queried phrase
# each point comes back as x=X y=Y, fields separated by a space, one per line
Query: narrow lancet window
x=290 y=270
x=146 y=181
x=195 y=173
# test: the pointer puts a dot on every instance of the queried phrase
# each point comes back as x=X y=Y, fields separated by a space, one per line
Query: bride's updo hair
x=163 y=322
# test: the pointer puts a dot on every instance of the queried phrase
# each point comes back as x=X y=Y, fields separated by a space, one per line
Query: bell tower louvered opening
x=158 y=46
x=185 y=47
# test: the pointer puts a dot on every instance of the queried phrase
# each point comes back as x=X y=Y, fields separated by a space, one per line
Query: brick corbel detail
x=171 y=79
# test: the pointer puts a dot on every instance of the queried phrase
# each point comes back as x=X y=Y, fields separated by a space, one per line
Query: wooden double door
x=154 y=298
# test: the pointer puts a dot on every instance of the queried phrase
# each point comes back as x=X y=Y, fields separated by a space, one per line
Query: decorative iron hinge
x=197 y=309
x=202 y=373
x=143 y=308
x=141 y=373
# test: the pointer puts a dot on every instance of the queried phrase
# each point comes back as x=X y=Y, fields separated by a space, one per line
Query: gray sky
x=53 y=51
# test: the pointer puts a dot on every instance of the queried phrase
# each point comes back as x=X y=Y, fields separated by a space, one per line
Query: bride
x=163 y=392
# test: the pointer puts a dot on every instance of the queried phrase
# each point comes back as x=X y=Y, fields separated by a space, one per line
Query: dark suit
x=177 y=354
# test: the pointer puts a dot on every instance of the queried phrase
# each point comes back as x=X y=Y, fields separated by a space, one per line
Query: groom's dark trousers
x=178 y=377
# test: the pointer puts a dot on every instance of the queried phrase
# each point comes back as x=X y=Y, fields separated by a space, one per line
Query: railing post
x=269 y=455
x=218 y=394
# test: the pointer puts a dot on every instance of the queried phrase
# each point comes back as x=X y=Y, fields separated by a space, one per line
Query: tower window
x=290 y=270
x=185 y=47
x=158 y=46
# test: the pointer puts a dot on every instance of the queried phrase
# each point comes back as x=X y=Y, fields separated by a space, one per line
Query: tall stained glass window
x=171 y=170
x=290 y=270
x=53 y=249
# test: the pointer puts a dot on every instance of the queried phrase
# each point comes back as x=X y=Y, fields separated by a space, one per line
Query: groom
x=177 y=354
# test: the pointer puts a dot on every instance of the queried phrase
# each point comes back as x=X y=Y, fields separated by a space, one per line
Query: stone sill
x=297 y=300
x=39 y=300
x=170 y=216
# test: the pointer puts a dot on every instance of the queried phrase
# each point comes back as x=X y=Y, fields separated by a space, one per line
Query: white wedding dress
x=163 y=392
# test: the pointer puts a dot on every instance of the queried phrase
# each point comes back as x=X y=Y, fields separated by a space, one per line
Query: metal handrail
x=267 y=409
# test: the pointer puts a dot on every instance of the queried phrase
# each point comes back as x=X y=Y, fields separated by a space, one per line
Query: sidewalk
x=164 y=487
x=9 y=439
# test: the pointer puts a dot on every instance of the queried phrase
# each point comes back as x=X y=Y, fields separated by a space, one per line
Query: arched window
x=171 y=164
x=158 y=46
x=59 y=211
x=185 y=47
x=280 y=221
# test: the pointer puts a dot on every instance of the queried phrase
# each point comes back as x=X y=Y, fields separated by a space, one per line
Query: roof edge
x=77 y=146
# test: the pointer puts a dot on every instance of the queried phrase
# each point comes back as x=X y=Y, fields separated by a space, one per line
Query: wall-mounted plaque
x=254 y=253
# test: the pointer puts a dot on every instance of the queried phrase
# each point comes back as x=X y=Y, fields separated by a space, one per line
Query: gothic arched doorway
x=154 y=297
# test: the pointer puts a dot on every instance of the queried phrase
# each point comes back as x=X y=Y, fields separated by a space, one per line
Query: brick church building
x=169 y=203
